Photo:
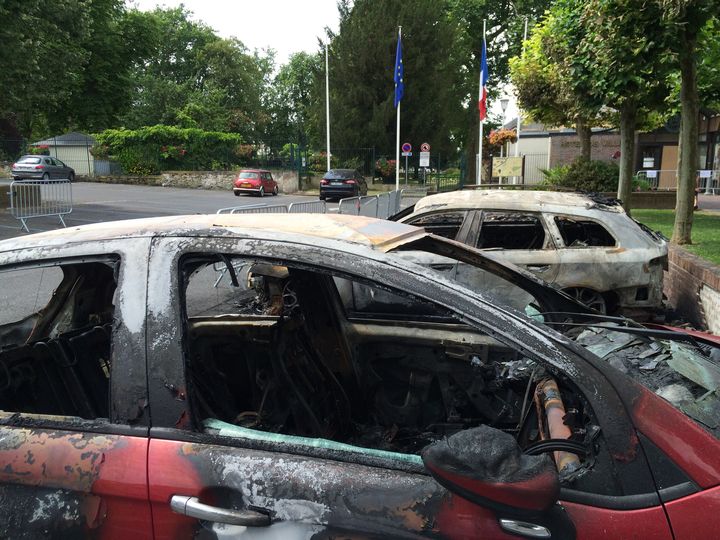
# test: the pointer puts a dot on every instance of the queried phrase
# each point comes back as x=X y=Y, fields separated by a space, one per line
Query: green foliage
x=585 y=175
x=152 y=149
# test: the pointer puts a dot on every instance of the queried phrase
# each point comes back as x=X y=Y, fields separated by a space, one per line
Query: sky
x=287 y=26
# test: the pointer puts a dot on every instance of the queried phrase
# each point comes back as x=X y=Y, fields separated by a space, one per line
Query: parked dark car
x=212 y=376
x=340 y=183
x=255 y=181
x=41 y=168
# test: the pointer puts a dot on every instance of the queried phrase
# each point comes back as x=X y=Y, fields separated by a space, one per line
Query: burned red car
x=230 y=375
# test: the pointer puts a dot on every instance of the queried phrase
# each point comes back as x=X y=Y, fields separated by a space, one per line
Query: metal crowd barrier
x=40 y=198
x=255 y=209
x=309 y=207
x=379 y=206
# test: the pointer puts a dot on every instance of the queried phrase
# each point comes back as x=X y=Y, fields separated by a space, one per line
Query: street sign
x=407 y=154
x=424 y=147
x=424 y=159
x=406 y=147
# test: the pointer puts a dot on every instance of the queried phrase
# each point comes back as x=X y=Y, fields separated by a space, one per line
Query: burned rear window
x=583 y=233
x=511 y=230
x=446 y=224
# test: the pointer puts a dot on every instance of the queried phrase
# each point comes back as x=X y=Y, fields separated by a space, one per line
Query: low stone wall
x=221 y=180
x=692 y=287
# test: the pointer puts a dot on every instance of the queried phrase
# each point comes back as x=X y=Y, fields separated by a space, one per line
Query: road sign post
x=407 y=152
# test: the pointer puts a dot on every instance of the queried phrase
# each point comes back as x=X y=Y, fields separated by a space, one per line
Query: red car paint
x=685 y=442
x=696 y=516
x=592 y=523
x=106 y=474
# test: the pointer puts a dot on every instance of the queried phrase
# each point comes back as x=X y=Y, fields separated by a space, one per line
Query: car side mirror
x=486 y=466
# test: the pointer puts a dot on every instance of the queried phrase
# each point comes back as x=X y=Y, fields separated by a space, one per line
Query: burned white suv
x=586 y=246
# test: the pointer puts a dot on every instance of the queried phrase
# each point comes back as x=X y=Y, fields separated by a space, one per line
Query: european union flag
x=399 y=73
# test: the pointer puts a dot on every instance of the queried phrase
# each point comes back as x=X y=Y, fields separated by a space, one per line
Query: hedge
x=150 y=150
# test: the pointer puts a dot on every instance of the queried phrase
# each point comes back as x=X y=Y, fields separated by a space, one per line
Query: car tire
x=71 y=177
x=275 y=191
x=322 y=197
x=236 y=193
x=45 y=177
x=261 y=193
x=590 y=298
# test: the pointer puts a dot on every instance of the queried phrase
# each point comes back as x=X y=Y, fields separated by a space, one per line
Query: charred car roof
x=373 y=233
x=525 y=200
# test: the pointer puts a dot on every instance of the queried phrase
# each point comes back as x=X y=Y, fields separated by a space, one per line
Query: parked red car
x=255 y=181
x=298 y=376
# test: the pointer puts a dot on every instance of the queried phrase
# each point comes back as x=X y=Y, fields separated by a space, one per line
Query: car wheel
x=71 y=177
x=588 y=297
x=261 y=192
x=322 y=197
x=236 y=193
x=276 y=190
x=46 y=177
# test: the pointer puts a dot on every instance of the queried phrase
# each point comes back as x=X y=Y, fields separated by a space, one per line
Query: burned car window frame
x=553 y=219
x=74 y=348
x=172 y=417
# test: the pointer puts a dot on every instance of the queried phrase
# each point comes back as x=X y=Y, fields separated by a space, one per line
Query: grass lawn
x=705 y=230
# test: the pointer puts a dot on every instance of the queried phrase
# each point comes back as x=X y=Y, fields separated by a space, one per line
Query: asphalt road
x=95 y=202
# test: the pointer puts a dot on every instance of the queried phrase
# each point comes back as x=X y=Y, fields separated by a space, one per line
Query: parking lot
x=95 y=202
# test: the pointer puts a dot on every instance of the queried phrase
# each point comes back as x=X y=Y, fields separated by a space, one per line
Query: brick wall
x=692 y=287
x=565 y=148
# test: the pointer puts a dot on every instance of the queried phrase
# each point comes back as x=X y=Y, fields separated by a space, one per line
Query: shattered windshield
x=686 y=375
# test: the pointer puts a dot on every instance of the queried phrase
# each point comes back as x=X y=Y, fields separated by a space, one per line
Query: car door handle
x=440 y=266
x=523 y=528
x=192 y=507
x=538 y=267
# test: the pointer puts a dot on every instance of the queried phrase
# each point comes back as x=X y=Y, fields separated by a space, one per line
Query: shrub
x=151 y=149
x=385 y=168
x=585 y=175
x=42 y=150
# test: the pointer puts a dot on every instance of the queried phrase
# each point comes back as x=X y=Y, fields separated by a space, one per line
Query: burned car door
x=73 y=438
x=520 y=238
x=281 y=404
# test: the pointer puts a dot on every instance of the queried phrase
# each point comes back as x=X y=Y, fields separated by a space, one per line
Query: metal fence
x=40 y=198
x=708 y=180
x=309 y=207
x=255 y=209
x=380 y=206
x=446 y=182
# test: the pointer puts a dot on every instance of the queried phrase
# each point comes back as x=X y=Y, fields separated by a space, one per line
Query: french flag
x=482 y=100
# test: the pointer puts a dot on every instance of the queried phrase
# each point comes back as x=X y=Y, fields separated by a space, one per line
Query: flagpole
x=397 y=135
x=517 y=132
x=478 y=173
x=327 y=108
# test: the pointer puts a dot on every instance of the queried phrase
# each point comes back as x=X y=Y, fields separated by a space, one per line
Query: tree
x=505 y=25
x=362 y=57
x=619 y=61
x=41 y=57
x=685 y=20
x=544 y=87
x=294 y=95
